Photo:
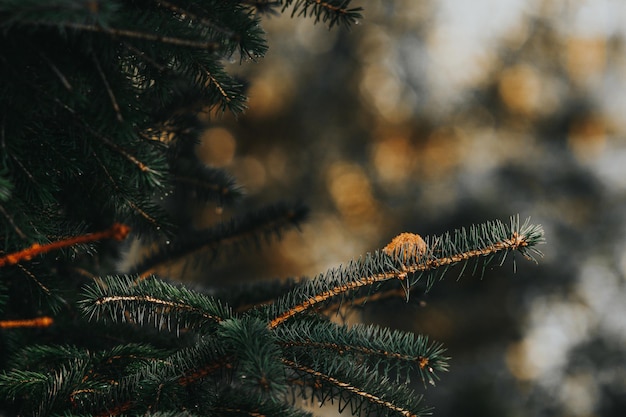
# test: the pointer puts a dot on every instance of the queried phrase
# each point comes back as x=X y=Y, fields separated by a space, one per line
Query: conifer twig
x=114 y=104
x=265 y=223
x=399 y=292
x=223 y=363
x=126 y=299
x=32 y=276
x=404 y=258
x=108 y=142
x=349 y=388
x=17 y=230
x=125 y=33
x=333 y=292
x=57 y=72
x=202 y=20
x=43 y=321
x=130 y=203
x=118 y=232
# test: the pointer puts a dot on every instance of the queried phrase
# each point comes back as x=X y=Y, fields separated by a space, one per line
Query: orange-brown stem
x=224 y=363
x=118 y=232
x=515 y=242
x=43 y=321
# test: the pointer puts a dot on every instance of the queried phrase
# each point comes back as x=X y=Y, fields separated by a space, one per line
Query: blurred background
x=431 y=115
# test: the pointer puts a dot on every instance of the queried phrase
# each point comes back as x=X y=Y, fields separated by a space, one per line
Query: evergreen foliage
x=97 y=129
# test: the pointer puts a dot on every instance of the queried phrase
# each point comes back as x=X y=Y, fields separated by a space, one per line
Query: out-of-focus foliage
x=433 y=114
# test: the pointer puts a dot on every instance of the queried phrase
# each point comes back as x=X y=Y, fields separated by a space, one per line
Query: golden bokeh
x=270 y=92
x=518 y=364
x=520 y=89
x=217 y=147
x=393 y=158
x=586 y=58
x=351 y=192
x=439 y=155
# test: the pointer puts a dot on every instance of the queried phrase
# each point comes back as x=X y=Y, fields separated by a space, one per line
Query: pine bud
x=406 y=246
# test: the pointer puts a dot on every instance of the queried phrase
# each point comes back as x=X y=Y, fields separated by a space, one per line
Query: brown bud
x=411 y=244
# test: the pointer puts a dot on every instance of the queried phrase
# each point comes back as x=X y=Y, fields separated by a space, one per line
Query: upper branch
x=407 y=260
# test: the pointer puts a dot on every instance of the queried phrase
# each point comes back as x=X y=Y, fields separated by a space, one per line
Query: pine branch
x=49 y=391
x=248 y=36
x=410 y=263
x=18 y=384
x=257 y=357
x=207 y=184
x=246 y=408
x=6 y=188
x=78 y=379
x=158 y=382
x=117 y=231
x=126 y=299
x=262 y=354
x=105 y=364
x=397 y=292
x=43 y=321
x=122 y=200
x=330 y=12
x=207 y=46
x=391 y=352
x=356 y=387
x=233 y=235
x=254 y=294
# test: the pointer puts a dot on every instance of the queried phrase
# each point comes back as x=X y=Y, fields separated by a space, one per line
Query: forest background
x=434 y=114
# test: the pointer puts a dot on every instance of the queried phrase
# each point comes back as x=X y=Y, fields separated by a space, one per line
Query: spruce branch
x=398 y=292
x=19 y=383
x=390 y=352
x=43 y=321
x=118 y=232
x=48 y=391
x=229 y=403
x=255 y=294
x=257 y=357
x=239 y=232
x=12 y=222
x=217 y=28
x=208 y=184
x=150 y=300
x=145 y=210
x=409 y=263
x=331 y=12
x=107 y=85
x=64 y=80
x=142 y=167
x=161 y=381
x=263 y=354
x=79 y=379
x=34 y=278
x=207 y=46
x=356 y=387
x=247 y=36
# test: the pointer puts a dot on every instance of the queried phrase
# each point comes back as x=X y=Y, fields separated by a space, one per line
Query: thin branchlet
x=431 y=256
x=118 y=232
x=345 y=386
x=156 y=302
